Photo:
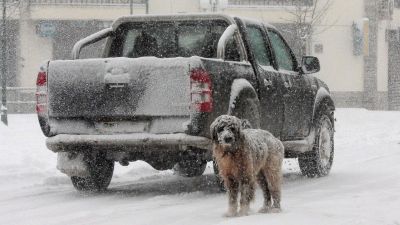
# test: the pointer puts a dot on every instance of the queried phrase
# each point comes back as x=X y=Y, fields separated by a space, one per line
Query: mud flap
x=72 y=164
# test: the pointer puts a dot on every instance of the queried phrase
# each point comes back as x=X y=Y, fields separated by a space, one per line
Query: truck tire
x=101 y=172
x=318 y=162
x=190 y=167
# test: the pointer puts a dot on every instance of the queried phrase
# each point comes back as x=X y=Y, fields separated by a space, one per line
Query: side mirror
x=310 y=64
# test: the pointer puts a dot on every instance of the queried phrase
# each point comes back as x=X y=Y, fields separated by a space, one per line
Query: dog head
x=226 y=131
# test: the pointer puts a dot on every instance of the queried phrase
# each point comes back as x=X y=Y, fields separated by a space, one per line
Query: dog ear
x=238 y=128
x=245 y=123
x=213 y=130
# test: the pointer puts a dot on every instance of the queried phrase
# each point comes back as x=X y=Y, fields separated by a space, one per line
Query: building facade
x=359 y=49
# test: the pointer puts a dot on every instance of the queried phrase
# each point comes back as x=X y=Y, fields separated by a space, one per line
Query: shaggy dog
x=244 y=156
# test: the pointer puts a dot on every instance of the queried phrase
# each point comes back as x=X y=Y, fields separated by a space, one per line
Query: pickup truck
x=161 y=82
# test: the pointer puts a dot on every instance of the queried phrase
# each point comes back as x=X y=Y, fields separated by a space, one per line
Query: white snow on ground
x=363 y=187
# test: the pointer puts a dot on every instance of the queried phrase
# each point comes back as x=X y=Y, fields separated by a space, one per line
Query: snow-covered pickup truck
x=160 y=83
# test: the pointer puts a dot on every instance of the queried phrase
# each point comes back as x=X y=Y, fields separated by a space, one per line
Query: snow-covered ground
x=363 y=187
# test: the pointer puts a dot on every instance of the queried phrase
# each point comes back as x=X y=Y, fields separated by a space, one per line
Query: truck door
x=297 y=94
x=269 y=80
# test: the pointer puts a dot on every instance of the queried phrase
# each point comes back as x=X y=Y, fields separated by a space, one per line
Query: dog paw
x=266 y=209
x=244 y=212
x=230 y=214
x=275 y=210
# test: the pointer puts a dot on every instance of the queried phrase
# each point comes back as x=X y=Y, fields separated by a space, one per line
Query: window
x=199 y=39
x=283 y=55
x=257 y=42
x=271 y=2
x=232 y=50
x=171 y=39
x=152 y=40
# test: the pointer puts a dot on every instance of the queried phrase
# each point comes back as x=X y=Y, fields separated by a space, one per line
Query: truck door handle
x=267 y=84
x=117 y=81
x=287 y=84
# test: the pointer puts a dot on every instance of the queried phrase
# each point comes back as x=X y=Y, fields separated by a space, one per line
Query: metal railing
x=20 y=94
x=270 y=2
x=86 y=2
x=21 y=99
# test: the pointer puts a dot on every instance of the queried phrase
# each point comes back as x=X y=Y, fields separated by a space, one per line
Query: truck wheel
x=220 y=182
x=100 y=174
x=318 y=162
x=190 y=168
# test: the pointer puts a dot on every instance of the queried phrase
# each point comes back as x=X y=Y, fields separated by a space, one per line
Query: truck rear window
x=168 y=39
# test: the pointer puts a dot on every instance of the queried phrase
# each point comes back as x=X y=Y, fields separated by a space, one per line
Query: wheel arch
x=240 y=88
x=323 y=103
x=244 y=94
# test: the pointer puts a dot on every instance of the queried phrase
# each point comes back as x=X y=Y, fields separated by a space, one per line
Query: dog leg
x=246 y=195
x=262 y=181
x=232 y=187
x=274 y=177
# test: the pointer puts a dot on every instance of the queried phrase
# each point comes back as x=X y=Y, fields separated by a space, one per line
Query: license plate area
x=122 y=127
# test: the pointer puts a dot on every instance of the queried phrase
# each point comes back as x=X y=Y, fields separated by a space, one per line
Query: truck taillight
x=201 y=90
x=42 y=100
x=41 y=93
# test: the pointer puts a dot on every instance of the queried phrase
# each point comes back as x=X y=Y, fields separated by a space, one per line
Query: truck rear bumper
x=125 y=142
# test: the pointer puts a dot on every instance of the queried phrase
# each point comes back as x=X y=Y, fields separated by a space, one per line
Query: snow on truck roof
x=182 y=17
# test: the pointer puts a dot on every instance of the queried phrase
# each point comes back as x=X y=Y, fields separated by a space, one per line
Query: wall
x=65 y=12
x=34 y=50
x=340 y=69
x=173 y=6
x=393 y=75
x=382 y=74
x=337 y=40
x=396 y=15
x=271 y=14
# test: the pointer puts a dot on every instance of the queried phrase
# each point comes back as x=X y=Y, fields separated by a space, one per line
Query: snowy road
x=363 y=187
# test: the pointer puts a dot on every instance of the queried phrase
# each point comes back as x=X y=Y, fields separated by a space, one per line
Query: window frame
x=115 y=43
x=266 y=44
x=294 y=59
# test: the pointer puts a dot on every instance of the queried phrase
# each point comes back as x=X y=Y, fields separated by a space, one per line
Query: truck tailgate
x=119 y=87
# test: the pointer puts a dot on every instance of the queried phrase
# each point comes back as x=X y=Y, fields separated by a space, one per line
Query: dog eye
x=220 y=129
